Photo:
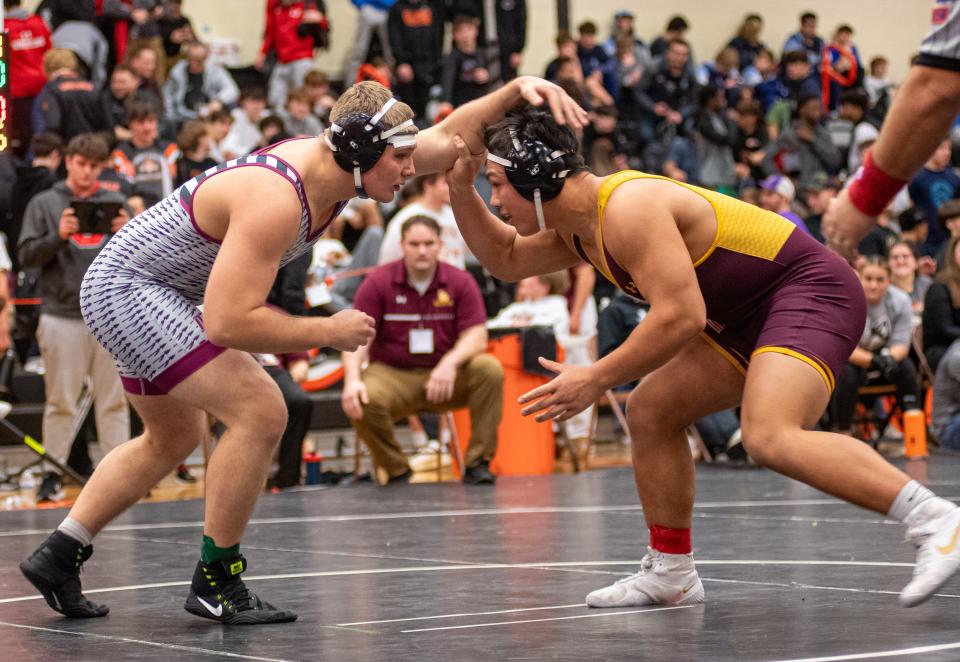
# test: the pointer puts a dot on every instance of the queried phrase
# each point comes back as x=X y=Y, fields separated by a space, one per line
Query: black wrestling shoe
x=479 y=474
x=54 y=569
x=218 y=593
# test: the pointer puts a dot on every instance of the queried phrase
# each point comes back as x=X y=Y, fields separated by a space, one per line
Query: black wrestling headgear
x=537 y=172
x=359 y=140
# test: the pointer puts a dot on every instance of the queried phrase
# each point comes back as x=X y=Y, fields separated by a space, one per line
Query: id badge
x=421 y=341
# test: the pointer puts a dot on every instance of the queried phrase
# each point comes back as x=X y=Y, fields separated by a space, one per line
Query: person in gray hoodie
x=51 y=240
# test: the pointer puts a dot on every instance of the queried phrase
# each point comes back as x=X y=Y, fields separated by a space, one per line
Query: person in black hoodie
x=416 y=37
x=33 y=178
x=510 y=17
x=68 y=104
x=465 y=75
x=51 y=240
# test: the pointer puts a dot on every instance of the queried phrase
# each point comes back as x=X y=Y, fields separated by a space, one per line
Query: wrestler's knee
x=764 y=441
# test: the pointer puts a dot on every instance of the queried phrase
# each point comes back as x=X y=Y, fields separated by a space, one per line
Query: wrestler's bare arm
x=659 y=262
x=235 y=312
x=506 y=254
x=435 y=150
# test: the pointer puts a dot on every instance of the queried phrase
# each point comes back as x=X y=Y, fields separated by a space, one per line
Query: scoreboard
x=4 y=91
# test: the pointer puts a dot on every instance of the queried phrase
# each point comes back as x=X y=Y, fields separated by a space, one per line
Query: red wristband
x=872 y=189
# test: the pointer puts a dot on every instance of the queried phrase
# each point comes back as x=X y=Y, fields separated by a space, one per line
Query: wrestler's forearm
x=651 y=344
x=922 y=114
x=488 y=237
x=266 y=331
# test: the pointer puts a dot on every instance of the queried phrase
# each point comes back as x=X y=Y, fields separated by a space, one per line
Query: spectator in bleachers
x=723 y=73
x=464 y=75
x=804 y=150
x=146 y=161
x=806 y=40
x=841 y=69
x=120 y=92
x=941 y=307
x=795 y=81
x=32 y=178
x=218 y=126
x=50 y=240
x=56 y=12
x=751 y=143
x=936 y=183
x=371 y=18
x=193 y=141
x=273 y=130
x=946 y=400
x=747 y=42
x=287 y=34
x=196 y=86
x=905 y=275
x=428 y=354
x=68 y=105
x=677 y=27
x=853 y=108
x=432 y=200
x=89 y=45
x=599 y=69
x=509 y=29
x=631 y=62
x=818 y=194
x=667 y=95
x=882 y=356
x=296 y=115
x=143 y=61
x=623 y=27
x=777 y=193
x=244 y=135
x=416 y=39
x=764 y=76
x=29 y=39
x=175 y=30
x=566 y=51
x=912 y=226
x=605 y=147
x=948 y=214
x=875 y=82
x=322 y=96
x=716 y=137
x=143 y=21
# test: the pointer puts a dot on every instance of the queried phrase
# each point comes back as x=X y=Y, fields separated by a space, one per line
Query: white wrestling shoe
x=938 y=555
x=664 y=579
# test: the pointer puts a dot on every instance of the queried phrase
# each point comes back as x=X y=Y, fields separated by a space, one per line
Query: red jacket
x=281 y=33
x=29 y=40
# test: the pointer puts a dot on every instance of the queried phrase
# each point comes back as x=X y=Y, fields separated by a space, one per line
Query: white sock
x=76 y=530
x=911 y=498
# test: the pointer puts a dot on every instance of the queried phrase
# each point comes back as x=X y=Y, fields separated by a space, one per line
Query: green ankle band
x=209 y=552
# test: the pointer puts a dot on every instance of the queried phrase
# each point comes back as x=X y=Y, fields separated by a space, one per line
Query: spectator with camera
x=428 y=354
x=62 y=245
x=882 y=356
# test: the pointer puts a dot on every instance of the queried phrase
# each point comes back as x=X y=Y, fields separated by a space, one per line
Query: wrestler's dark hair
x=532 y=123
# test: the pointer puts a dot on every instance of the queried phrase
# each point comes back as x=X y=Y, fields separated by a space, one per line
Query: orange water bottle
x=914 y=429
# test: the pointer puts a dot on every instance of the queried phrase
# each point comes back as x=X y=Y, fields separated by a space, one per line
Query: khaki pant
x=396 y=393
x=71 y=354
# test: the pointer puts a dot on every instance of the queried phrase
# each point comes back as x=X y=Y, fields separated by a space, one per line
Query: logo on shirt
x=443 y=299
x=401 y=299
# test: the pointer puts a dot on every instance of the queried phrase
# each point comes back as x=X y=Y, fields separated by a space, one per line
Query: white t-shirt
x=454 y=251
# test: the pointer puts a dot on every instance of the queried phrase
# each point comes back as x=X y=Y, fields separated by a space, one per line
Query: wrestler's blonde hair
x=368 y=98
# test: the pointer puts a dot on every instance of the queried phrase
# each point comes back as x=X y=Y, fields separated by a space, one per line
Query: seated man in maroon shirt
x=428 y=354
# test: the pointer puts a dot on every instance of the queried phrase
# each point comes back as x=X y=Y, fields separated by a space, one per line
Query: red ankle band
x=872 y=189
x=670 y=541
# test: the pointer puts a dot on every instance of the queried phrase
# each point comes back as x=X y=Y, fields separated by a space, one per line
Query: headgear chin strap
x=358 y=141
x=534 y=170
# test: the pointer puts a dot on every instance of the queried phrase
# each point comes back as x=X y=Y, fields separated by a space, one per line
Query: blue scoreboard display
x=4 y=92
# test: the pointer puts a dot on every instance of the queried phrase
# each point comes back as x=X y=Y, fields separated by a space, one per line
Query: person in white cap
x=776 y=194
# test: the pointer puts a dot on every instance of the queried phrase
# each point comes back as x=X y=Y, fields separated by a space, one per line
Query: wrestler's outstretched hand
x=465 y=168
x=537 y=91
x=844 y=226
x=573 y=389
x=350 y=329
